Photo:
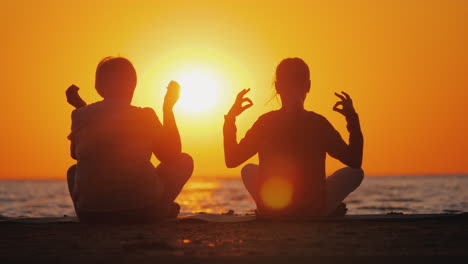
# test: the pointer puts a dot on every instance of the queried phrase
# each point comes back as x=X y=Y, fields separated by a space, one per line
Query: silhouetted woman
x=292 y=144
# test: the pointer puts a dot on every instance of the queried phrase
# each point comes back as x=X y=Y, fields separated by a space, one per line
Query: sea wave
x=376 y=195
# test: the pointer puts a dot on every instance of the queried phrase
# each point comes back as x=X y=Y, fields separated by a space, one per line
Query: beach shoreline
x=178 y=240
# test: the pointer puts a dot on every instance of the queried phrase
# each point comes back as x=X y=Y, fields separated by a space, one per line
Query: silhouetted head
x=292 y=80
x=116 y=78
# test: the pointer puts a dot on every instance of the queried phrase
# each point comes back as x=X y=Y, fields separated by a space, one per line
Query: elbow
x=228 y=158
x=72 y=152
x=230 y=163
x=170 y=155
x=355 y=163
x=176 y=149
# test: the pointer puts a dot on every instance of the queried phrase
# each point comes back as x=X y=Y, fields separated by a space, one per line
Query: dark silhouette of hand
x=347 y=108
x=73 y=97
x=237 y=108
x=172 y=95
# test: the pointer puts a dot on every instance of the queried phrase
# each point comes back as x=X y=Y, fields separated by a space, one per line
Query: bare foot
x=173 y=210
x=340 y=211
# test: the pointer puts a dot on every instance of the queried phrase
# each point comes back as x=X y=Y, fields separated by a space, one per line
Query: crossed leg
x=174 y=175
x=339 y=185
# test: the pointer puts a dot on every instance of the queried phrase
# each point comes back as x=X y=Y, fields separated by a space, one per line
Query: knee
x=354 y=176
x=185 y=161
x=248 y=170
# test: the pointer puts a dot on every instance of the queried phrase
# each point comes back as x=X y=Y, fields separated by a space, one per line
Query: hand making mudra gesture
x=239 y=107
x=347 y=108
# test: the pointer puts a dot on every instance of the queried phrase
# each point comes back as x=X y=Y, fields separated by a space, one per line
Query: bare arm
x=72 y=150
x=171 y=137
x=350 y=154
x=74 y=99
x=234 y=153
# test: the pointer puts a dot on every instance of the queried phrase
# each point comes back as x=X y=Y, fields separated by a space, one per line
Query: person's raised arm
x=171 y=131
x=350 y=154
x=234 y=153
x=73 y=98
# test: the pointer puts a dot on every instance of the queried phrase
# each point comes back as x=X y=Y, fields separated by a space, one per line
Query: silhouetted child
x=112 y=141
x=292 y=144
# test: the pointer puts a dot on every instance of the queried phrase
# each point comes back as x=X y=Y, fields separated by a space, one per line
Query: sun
x=199 y=90
x=209 y=82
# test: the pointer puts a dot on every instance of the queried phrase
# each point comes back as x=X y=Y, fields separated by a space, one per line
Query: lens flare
x=276 y=192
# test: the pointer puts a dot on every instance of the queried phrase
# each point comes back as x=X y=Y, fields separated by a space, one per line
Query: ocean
x=376 y=195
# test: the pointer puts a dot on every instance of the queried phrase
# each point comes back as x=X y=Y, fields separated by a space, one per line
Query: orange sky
x=403 y=62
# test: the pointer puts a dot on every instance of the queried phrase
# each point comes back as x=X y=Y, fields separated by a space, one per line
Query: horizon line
x=237 y=176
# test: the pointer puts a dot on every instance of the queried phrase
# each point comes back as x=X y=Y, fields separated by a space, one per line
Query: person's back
x=292 y=144
x=113 y=141
x=113 y=146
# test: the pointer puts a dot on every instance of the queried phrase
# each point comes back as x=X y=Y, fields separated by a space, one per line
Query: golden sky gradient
x=403 y=62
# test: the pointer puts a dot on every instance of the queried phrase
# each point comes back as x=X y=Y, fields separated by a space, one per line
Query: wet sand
x=180 y=241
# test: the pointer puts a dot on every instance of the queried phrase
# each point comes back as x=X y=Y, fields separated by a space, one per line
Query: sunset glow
x=199 y=90
x=403 y=62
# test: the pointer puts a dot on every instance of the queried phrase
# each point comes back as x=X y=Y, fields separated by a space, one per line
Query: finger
x=340 y=96
x=245 y=107
x=72 y=88
x=339 y=111
x=338 y=104
x=335 y=107
x=347 y=95
x=242 y=93
x=173 y=84
x=247 y=100
x=170 y=85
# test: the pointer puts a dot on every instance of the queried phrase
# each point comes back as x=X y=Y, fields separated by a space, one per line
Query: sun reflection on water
x=208 y=195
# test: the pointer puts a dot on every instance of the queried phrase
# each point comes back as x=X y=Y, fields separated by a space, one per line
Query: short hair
x=115 y=78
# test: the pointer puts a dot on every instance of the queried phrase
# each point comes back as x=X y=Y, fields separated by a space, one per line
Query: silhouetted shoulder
x=147 y=110
x=149 y=113
x=318 y=118
x=268 y=119
x=264 y=123
x=269 y=116
x=278 y=116
x=314 y=115
x=83 y=112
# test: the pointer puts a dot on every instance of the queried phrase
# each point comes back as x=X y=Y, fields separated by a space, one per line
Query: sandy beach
x=192 y=239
